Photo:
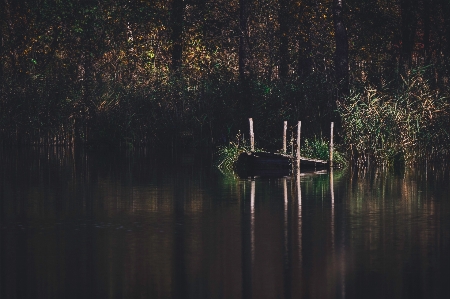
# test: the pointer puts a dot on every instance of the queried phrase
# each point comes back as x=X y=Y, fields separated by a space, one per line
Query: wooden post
x=331 y=144
x=284 y=137
x=298 y=144
x=252 y=136
x=292 y=144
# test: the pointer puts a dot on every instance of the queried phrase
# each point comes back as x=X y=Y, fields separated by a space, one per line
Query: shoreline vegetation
x=314 y=148
x=401 y=123
x=172 y=74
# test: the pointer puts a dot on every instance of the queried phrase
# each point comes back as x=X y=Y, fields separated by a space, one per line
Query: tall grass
x=406 y=123
x=318 y=148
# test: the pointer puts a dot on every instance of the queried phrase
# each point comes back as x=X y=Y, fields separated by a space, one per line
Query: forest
x=191 y=72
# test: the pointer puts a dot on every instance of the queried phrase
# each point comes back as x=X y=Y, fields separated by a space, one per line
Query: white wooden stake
x=331 y=144
x=252 y=135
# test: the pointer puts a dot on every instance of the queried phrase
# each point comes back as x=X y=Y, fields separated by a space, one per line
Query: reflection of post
x=252 y=219
x=288 y=260
x=299 y=199
x=299 y=126
x=332 y=207
x=285 y=214
x=247 y=233
x=341 y=244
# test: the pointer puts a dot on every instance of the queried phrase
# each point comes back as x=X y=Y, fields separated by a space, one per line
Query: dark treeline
x=155 y=72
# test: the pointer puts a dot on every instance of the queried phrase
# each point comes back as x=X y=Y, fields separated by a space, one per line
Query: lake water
x=146 y=225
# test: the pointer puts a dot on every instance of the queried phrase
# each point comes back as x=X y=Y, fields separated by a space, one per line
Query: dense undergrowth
x=405 y=121
x=169 y=112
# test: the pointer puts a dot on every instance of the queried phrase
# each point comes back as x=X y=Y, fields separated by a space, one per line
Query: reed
x=405 y=123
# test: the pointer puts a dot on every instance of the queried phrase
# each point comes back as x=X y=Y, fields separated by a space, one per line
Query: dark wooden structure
x=253 y=163
x=273 y=164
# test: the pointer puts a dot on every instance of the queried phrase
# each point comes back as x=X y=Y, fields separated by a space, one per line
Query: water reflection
x=299 y=201
x=252 y=218
x=107 y=225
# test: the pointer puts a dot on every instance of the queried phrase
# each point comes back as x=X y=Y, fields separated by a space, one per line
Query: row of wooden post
x=299 y=125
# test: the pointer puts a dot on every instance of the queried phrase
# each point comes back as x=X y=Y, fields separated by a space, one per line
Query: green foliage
x=315 y=148
x=228 y=154
x=318 y=148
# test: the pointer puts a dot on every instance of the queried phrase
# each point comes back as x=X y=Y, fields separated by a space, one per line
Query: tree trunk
x=202 y=6
x=408 y=30
x=3 y=25
x=177 y=38
x=244 y=46
x=303 y=40
x=426 y=29
x=283 y=20
x=246 y=101
x=341 y=53
x=446 y=12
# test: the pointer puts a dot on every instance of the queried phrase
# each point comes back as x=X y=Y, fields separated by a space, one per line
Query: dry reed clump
x=406 y=124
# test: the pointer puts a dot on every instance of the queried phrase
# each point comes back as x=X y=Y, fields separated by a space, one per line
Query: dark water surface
x=143 y=225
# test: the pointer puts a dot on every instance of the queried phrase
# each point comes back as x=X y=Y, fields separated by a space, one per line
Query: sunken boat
x=266 y=164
